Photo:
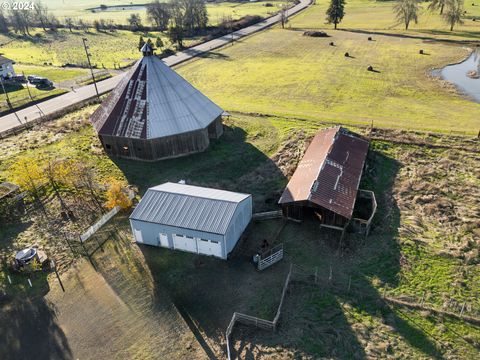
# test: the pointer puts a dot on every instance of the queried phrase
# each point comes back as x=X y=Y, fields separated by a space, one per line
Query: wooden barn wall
x=156 y=149
x=215 y=129
x=298 y=210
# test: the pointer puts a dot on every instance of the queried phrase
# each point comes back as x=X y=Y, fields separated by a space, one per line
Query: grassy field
x=19 y=95
x=378 y=16
x=424 y=241
x=215 y=10
x=303 y=77
x=107 y=49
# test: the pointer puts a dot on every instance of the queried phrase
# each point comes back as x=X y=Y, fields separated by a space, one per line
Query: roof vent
x=183 y=182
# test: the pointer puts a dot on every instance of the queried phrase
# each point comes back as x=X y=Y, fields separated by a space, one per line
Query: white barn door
x=181 y=242
x=209 y=247
x=138 y=235
x=163 y=240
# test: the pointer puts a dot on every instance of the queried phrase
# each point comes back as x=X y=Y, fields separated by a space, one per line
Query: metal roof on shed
x=329 y=173
x=153 y=101
x=189 y=207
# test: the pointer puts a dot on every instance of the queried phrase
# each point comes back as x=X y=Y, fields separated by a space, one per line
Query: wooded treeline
x=179 y=17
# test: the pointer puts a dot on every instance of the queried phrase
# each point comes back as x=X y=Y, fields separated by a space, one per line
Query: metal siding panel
x=188 y=211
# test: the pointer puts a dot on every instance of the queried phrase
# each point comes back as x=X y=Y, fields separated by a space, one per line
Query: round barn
x=155 y=114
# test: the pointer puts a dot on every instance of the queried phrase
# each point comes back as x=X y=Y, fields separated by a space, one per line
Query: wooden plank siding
x=162 y=148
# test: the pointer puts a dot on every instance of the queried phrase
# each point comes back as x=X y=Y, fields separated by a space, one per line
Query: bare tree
x=3 y=23
x=69 y=23
x=407 y=11
x=135 y=22
x=453 y=13
x=21 y=21
x=437 y=5
x=159 y=14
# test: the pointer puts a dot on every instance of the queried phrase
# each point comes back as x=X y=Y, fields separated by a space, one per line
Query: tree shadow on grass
x=29 y=328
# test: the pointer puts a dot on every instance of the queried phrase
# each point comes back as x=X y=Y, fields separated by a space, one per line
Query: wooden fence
x=257 y=322
x=277 y=214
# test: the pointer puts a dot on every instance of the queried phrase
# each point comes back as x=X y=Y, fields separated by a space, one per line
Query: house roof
x=153 y=101
x=190 y=207
x=329 y=173
x=4 y=60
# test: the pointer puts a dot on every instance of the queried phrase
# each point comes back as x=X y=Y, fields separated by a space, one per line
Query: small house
x=6 y=67
x=191 y=218
x=326 y=181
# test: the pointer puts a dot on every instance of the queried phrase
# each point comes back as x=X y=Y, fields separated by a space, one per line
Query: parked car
x=34 y=79
x=19 y=79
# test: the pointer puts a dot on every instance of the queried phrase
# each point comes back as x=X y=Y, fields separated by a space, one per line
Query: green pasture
x=108 y=49
x=378 y=16
x=215 y=10
x=283 y=73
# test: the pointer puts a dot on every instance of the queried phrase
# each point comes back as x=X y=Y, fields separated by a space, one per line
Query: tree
x=58 y=173
x=135 y=22
x=117 y=196
x=335 y=12
x=437 y=5
x=188 y=16
x=453 y=13
x=141 y=42
x=83 y=180
x=283 y=16
x=159 y=43
x=27 y=173
x=69 y=23
x=407 y=11
x=158 y=13
x=21 y=21
x=3 y=23
x=82 y=25
x=41 y=15
x=176 y=34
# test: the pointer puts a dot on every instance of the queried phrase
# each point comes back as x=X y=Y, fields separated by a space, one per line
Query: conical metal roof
x=153 y=101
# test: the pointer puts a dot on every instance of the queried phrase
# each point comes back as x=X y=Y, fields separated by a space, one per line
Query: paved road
x=84 y=93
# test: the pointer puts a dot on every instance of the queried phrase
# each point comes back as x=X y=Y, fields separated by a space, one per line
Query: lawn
x=303 y=77
x=378 y=16
x=55 y=74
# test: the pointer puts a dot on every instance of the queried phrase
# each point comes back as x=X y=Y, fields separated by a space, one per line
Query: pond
x=118 y=8
x=465 y=75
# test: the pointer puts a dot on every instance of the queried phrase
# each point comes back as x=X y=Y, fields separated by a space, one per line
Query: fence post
x=385 y=291
x=463 y=308
x=349 y=283
x=331 y=275
x=316 y=274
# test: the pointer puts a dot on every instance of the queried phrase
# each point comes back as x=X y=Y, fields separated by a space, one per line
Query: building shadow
x=28 y=326
x=324 y=314
x=230 y=163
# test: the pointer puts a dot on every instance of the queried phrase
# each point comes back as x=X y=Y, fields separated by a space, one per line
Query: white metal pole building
x=191 y=218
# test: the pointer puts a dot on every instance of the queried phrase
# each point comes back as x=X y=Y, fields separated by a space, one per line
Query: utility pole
x=8 y=101
x=6 y=94
x=42 y=114
x=90 y=65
